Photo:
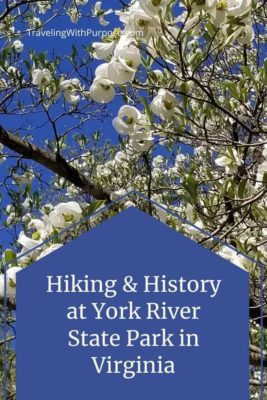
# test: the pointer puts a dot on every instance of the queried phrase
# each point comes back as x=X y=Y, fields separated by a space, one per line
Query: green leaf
x=94 y=206
x=229 y=188
x=232 y=87
x=242 y=188
x=9 y=256
x=185 y=90
x=147 y=109
x=247 y=72
x=74 y=51
x=190 y=186
x=42 y=59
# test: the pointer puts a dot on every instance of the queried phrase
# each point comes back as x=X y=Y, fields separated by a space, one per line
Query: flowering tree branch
x=54 y=162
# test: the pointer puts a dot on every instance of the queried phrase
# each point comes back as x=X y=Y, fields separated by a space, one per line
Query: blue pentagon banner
x=132 y=309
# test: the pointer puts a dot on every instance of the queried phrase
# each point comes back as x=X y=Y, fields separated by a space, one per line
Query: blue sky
x=61 y=47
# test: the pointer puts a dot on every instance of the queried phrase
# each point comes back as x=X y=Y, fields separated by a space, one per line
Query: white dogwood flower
x=231 y=160
x=236 y=8
x=41 y=77
x=102 y=71
x=102 y=90
x=138 y=22
x=132 y=122
x=247 y=34
x=27 y=243
x=101 y=14
x=141 y=141
x=70 y=88
x=102 y=50
x=153 y=7
x=164 y=104
x=220 y=11
x=10 y=282
x=129 y=120
x=65 y=214
x=124 y=65
x=42 y=230
x=18 y=46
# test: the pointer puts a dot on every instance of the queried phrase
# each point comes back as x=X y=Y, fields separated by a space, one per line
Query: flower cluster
x=55 y=219
x=132 y=122
x=225 y=13
x=151 y=30
x=125 y=59
x=70 y=88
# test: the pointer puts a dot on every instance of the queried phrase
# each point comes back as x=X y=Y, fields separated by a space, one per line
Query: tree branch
x=255 y=356
x=10 y=305
x=54 y=162
x=2 y=342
